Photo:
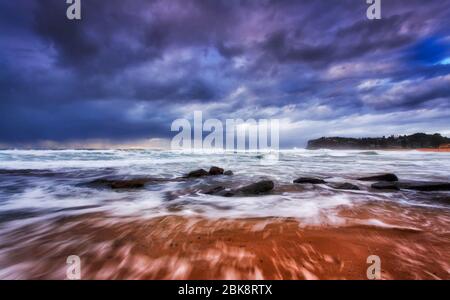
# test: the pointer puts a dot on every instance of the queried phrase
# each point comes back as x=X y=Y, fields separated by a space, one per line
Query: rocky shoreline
x=387 y=182
x=147 y=215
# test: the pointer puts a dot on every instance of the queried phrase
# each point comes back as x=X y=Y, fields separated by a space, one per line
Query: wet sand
x=175 y=247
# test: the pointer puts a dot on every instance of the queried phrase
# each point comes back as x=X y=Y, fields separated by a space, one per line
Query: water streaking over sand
x=172 y=229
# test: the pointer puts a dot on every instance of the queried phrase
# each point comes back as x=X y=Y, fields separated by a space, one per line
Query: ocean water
x=48 y=210
x=39 y=184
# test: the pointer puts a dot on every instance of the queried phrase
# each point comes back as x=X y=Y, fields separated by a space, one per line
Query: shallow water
x=40 y=189
x=48 y=183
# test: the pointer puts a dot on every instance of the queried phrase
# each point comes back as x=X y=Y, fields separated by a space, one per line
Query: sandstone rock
x=215 y=190
x=385 y=185
x=422 y=186
x=383 y=177
x=257 y=188
x=215 y=171
x=290 y=188
x=197 y=173
x=425 y=186
x=309 y=180
x=121 y=184
x=347 y=186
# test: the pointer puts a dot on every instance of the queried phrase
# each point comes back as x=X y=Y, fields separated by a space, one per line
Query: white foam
x=312 y=205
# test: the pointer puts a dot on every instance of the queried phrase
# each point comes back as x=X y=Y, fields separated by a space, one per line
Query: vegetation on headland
x=414 y=141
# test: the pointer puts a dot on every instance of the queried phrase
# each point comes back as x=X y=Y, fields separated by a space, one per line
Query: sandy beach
x=310 y=215
x=175 y=247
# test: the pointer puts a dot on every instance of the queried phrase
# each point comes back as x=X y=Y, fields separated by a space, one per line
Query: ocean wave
x=55 y=180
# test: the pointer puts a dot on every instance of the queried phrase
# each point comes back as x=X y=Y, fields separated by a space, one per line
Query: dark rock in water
x=383 y=177
x=220 y=191
x=290 y=188
x=439 y=198
x=422 y=186
x=29 y=172
x=121 y=184
x=226 y=193
x=257 y=188
x=215 y=171
x=368 y=153
x=215 y=190
x=197 y=173
x=128 y=184
x=309 y=180
x=174 y=194
x=346 y=186
x=253 y=189
x=425 y=186
x=385 y=185
x=228 y=173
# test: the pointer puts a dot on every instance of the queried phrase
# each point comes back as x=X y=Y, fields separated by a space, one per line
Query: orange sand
x=195 y=248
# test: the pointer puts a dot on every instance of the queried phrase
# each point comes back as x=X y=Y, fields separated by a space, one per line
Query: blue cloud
x=430 y=51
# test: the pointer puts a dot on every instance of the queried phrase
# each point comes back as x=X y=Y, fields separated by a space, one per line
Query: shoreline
x=270 y=224
x=181 y=247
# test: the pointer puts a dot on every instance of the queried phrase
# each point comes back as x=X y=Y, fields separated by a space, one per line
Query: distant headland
x=419 y=141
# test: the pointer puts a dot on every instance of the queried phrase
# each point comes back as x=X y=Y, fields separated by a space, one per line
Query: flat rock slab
x=254 y=189
x=197 y=173
x=382 y=177
x=425 y=186
x=217 y=190
x=415 y=186
x=346 y=186
x=213 y=171
x=385 y=186
x=310 y=180
x=135 y=183
x=257 y=188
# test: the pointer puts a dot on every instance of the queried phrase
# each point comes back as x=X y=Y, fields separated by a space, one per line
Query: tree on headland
x=414 y=141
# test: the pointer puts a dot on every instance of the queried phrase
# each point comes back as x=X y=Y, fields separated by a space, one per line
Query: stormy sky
x=122 y=74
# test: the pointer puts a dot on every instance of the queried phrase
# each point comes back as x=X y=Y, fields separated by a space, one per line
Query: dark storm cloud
x=130 y=67
x=348 y=43
x=115 y=34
